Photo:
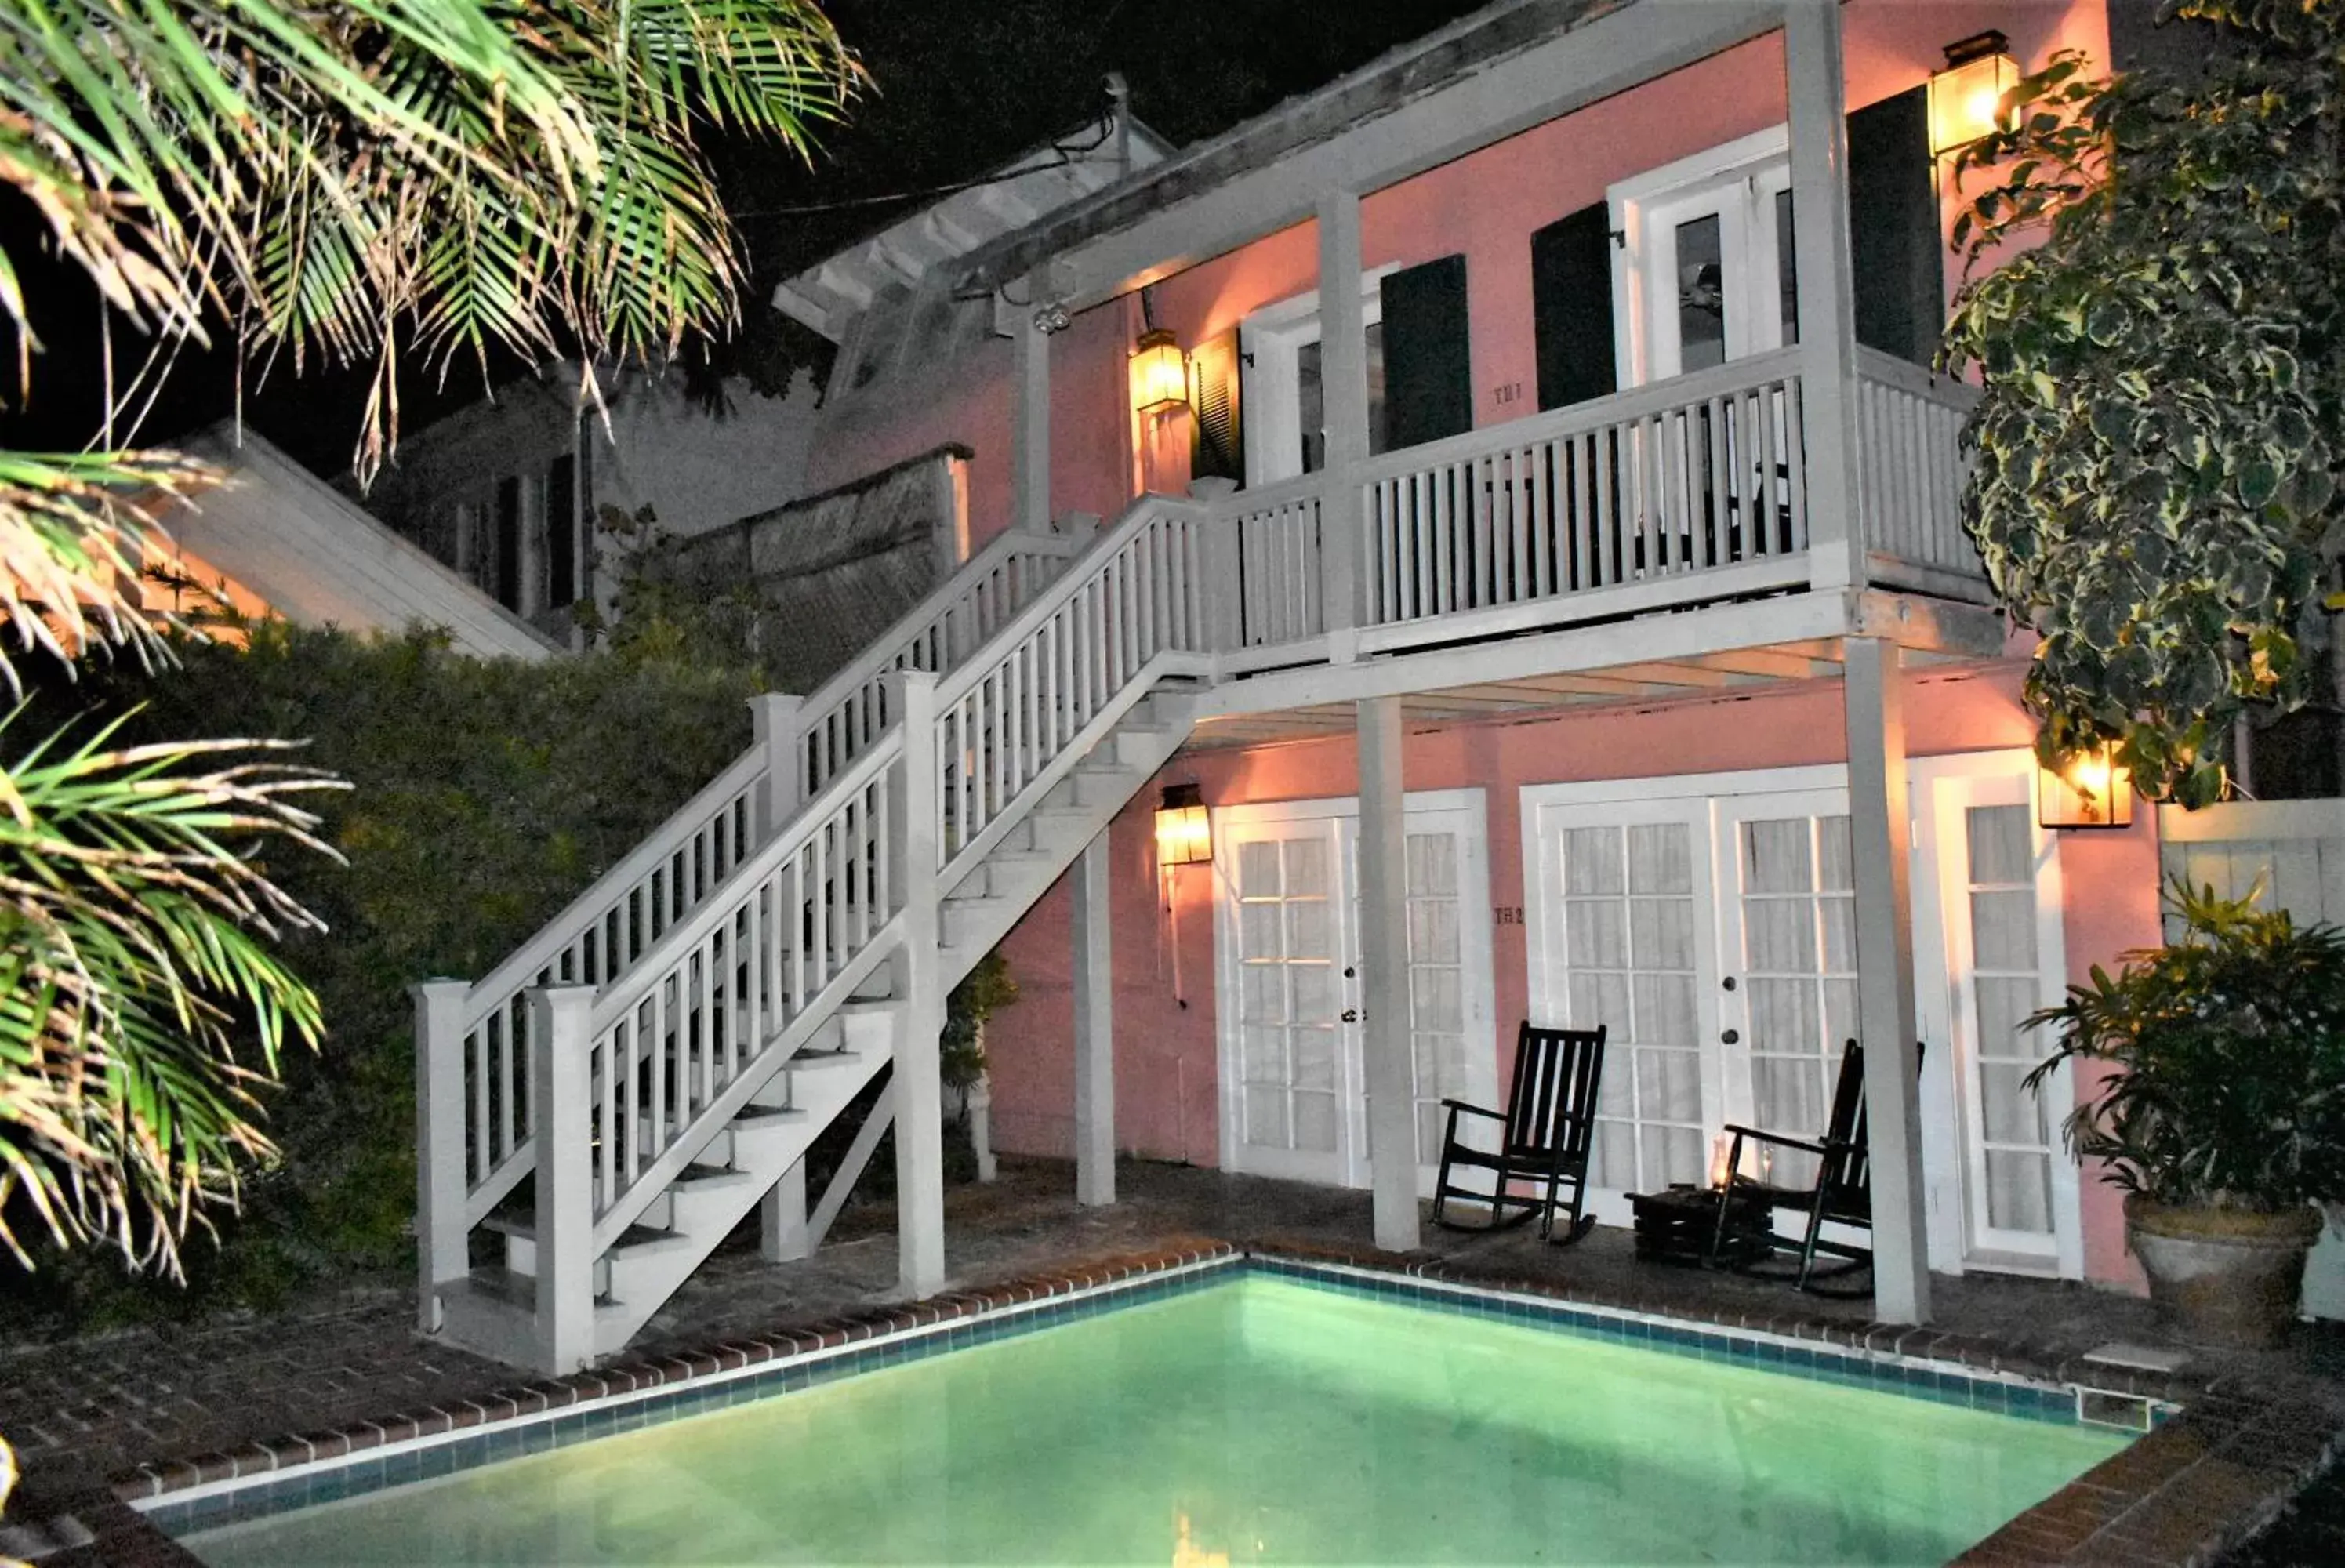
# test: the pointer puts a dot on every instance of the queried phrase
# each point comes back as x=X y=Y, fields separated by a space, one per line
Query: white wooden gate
x=2291 y=855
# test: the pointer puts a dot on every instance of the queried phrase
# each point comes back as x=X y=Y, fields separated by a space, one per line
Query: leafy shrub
x=2229 y=1051
x=486 y=793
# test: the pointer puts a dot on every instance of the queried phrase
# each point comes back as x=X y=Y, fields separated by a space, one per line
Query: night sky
x=960 y=87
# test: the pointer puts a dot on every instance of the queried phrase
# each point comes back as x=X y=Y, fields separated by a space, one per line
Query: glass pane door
x=1290 y=1109
x=1624 y=943
x=1450 y=1022
x=1787 y=931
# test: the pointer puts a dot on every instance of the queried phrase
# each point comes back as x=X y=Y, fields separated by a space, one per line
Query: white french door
x=1622 y=938
x=1787 y=936
x=1704 y=270
x=1708 y=920
x=1293 y=1095
x=2004 y=1189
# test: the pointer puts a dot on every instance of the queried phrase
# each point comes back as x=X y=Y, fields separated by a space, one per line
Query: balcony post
x=1386 y=1042
x=1029 y=413
x=562 y=1098
x=1094 y=976
x=1343 y=386
x=781 y=1225
x=1817 y=88
x=1880 y=839
x=442 y=1174
x=919 y=1097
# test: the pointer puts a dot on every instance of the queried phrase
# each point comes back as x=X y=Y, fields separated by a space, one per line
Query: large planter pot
x=2223 y=1277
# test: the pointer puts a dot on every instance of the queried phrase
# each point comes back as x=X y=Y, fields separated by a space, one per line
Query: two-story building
x=1508 y=488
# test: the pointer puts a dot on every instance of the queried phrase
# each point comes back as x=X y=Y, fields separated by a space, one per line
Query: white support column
x=1817 y=88
x=917 y=1094
x=1029 y=413
x=1385 y=1043
x=782 y=1234
x=562 y=1102
x=1343 y=381
x=1094 y=1030
x=441 y=1150
x=782 y=1212
x=1880 y=839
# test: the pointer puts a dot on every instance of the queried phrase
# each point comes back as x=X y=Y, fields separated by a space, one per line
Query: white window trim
x=1269 y=339
x=1634 y=204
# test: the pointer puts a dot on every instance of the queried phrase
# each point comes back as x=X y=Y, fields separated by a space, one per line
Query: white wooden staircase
x=604 y=1109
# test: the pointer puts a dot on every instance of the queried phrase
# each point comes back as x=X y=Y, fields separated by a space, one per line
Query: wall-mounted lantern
x=1184 y=827
x=1969 y=98
x=2090 y=789
x=1160 y=373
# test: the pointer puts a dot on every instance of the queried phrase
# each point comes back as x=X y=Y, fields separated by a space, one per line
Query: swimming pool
x=1239 y=1414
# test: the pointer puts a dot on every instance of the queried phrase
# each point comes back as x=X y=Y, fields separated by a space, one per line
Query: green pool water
x=1252 y=1421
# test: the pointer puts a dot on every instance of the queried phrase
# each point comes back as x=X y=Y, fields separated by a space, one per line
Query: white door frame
x=1943 y=1147
x=1269 y=341
x=1645 y=210
x=1475 y=939
x=1944 y=788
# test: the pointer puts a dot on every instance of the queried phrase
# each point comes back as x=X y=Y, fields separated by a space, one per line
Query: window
x=562 y=531
x=1286 y=399
x=507 y=584
x=1705 y=265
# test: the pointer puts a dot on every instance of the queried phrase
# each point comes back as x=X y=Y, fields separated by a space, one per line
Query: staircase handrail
x=612 y=925
x=855 y=807
x=733 y=788
x=957 y=682
x=626 y=1182
x=847 y=712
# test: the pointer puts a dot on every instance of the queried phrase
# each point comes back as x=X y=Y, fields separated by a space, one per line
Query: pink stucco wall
x=1167 y=1089
x=1486 y=205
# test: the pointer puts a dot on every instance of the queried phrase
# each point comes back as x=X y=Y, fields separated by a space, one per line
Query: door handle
x=1351 y=1015
x=1729 y=1037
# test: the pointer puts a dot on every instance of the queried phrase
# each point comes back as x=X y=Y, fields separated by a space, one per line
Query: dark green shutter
x=1571 y=307
x=1895 y=248
x=1217 y=430
x=1429 y=369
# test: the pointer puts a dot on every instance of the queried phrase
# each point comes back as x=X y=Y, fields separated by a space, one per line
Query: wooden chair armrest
x=1477 y=1111
x=1781 y=1140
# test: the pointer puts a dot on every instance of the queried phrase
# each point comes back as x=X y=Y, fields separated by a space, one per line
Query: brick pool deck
x=151 y=1410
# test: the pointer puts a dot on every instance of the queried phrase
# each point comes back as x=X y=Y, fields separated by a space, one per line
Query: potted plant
x=2224 y=1116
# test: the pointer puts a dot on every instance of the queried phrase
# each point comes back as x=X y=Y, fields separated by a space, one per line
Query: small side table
x=1677 y=1225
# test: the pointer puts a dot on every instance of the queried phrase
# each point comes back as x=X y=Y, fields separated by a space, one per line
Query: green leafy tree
x=2158 y=447
x=369 y=182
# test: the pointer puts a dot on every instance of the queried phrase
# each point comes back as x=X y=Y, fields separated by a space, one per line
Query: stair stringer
x=1013 y=875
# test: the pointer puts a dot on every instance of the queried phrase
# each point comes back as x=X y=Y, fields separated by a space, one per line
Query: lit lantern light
x=1720 y=1173
x=2089 y=790
x=1184 y=828
x=1160 y=373
x=1969 y=98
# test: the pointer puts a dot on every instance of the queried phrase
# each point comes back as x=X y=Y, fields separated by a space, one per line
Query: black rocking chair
x=1549 y=1120
x=1843 y=1193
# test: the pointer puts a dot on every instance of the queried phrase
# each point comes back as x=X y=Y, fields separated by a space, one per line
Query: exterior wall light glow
x=2089 y=790
x=1970 y=98
x=1160 y=373
x=1184 y=827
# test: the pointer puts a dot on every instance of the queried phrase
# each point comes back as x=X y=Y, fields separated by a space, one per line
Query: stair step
x=522 y=1226
x=496 y=1283
x=822 y=1061
x=758 y=1118
x=707 y=1176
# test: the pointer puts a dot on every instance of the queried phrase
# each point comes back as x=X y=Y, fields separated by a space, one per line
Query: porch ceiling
x=1593 y=667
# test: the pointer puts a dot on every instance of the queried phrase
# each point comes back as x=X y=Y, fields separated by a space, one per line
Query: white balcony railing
x=1675 y=492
